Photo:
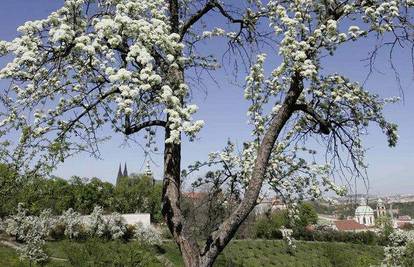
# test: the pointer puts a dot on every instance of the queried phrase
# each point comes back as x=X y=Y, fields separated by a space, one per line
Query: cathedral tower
x=121 y=175
x=381 y=210
x=125 y=174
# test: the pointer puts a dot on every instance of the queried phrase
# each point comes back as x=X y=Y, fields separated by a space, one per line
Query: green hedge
x=367 y=238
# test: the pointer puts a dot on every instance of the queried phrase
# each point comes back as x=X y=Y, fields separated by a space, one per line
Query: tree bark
x=171 y=204
x=172 y=171
x=190 y=251
x=220 y=238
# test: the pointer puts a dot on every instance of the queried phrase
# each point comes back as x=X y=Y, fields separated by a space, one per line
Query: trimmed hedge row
x=366 y=238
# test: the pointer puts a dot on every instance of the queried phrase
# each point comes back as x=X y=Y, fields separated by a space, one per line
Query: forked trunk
x=216 y=242
x=171 y=204
x=172 y=170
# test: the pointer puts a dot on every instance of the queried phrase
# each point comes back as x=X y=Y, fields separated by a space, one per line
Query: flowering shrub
x=115 y=226
x=147 y=235
x=112 y=227
x=34 y=239
x=287 y=237
x=96 y=224
x=396 y=251
x=72 y=223
x=14 y=225
x=32 y=231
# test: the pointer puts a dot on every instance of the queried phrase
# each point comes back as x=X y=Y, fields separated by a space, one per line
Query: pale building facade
x=130 y=219
x=381 y=209
x=364 y=214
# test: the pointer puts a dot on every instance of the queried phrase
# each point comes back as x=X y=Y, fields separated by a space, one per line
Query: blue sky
x=224 y=109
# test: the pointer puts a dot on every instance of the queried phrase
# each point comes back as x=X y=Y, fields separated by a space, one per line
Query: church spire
x=119 y=177
x=125 y=171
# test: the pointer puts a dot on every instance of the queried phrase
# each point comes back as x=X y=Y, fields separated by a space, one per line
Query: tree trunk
x=172 y=172
x=218 y=240
x=171 y=204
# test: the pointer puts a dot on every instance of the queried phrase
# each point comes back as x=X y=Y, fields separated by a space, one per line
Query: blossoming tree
x=124 y=63
x=32 y=230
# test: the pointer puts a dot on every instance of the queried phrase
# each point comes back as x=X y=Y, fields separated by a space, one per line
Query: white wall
x=369 y=219
x=133 y=218
x=144 y=218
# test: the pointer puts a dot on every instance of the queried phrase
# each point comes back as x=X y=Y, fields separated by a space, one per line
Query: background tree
x=385 y=223
x=9 y=185
x=269 y=225
x=88 y=194
x=204 y=210
x=139 y=193
x=136 y=193
x=307 y=215
x=123 y=64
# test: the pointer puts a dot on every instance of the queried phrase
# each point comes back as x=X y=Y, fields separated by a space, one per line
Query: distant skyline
x=224 y=111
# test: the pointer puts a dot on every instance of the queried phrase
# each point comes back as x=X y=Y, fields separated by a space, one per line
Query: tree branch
x=136 y=128
x=198 y=15
x=227 y=15
x=324 y=126
x=219 y=239
x=85 y=111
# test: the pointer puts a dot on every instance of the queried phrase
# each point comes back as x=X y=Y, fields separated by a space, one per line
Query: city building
x=349 y=226
x=381 y=209
x=364 y=218
x=269 y=205
x=364 y=214
x=121 y=175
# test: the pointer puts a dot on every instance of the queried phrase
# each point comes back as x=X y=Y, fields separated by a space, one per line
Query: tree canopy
x=125 y=65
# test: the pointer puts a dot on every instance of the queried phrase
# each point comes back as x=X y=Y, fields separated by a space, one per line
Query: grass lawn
x=9 y=257
x=308 y=254
x=239 y=253
x=252 y=253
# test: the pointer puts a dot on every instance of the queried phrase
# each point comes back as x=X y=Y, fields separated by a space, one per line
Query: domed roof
x=364 y=210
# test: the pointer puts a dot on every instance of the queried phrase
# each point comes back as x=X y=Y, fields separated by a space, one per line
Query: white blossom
x=395 y=251
x=96 y=222
x=32 y=230
x=73 y=223
x=287 y=237
x=116 y=226
x=147 y=235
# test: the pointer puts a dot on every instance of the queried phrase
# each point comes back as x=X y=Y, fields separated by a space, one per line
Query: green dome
x=364 y=210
